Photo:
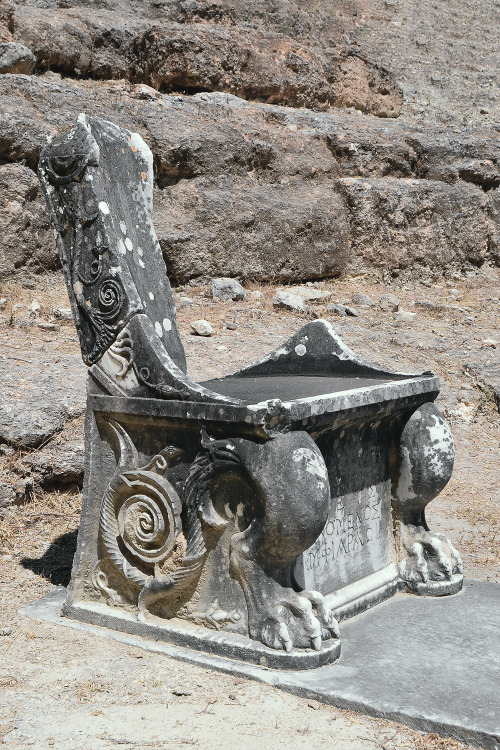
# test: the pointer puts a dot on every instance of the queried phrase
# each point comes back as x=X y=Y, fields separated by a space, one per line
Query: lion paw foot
x=297 y=621
x=431 y=557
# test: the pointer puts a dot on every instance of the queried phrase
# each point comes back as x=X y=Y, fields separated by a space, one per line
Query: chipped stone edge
x=230 y=646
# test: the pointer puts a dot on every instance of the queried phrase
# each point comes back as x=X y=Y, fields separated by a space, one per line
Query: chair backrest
x=98 y=183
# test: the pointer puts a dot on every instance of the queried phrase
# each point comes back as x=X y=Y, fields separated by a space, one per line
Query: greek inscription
x=356 y=523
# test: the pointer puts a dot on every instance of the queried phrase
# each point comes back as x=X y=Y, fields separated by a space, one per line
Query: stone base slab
x=430 y=663
x=365 y=593
x=220 y=643
x=436 y=588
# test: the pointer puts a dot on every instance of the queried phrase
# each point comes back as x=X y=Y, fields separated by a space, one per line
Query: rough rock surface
x=280 y=54
x=16 y=58
x=248 y=187
x=488 y=376
x=61 y=461
x=39 y=396
x=446 y=56
x=267 y=192
x=26 y=238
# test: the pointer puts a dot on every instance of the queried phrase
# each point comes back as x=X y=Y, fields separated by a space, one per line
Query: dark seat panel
x=286 y=387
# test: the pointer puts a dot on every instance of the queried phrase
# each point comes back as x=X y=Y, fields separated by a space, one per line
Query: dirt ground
x=65 y=689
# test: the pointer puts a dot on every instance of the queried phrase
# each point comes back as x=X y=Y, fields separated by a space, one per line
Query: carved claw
x=278 y=616
x=291 y=480
x=324 y=614
x=431 y=557
x=292 y=623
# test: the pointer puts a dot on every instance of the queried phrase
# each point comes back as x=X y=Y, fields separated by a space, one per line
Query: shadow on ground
x=55 y=564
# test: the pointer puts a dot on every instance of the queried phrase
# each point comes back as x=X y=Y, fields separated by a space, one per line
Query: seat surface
x=253 y=390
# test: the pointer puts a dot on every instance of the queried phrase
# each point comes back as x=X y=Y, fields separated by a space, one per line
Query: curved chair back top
x=98 y=183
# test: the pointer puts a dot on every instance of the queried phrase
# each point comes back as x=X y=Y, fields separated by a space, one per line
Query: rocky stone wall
x=249 y=182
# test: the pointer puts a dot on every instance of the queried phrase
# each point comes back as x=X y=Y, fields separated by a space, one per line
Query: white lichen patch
x=151 y=296
x=300 y=350
x=440 y=450
x=167 y=324
x=121 y=247
x=140 y=251
x=115 y=270
x=405 y=485
x=104 y=208
x=158 y=329
x=128 y=244
x=313 y=463
x=123 y=227
x=439 y=434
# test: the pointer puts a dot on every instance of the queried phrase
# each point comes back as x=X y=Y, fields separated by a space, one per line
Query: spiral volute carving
x=147 y=526
x=110 y=299
x=140 y=521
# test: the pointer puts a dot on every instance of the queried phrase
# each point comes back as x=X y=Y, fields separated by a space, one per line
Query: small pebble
x=405 y=317
x=289 y=302
x=309 y=293
x=49 y=326
x=202 y=328
x=3 y=301
x=256 y=294
x=491 y=342
x=389 y=303
x=343 y=310
x=62 y=313
x=5 y=631
x=426 y=304
x=227 y=289
x=314 y=704
x=363 y=300
x=184 y=302
x=231 y=326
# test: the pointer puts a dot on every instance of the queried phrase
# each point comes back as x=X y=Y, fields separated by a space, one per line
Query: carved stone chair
x=244 y=515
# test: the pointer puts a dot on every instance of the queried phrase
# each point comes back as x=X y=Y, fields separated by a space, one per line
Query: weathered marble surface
x=243 y=504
